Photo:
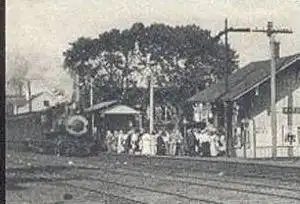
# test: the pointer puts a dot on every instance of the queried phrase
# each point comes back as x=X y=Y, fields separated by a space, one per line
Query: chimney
x=277 y=49
x=29 y=96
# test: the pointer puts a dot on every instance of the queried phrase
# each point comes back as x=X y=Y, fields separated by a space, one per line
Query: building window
x=46 y=103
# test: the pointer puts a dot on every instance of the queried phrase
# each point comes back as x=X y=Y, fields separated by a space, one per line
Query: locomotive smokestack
x=29 y=96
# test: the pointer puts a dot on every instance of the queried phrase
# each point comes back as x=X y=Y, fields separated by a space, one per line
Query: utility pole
x=77 y=88
x=29 y=95
x=91 y=105
x=270 y=31
x=151 y=105
x=228 y=104
x=227 y=109
x=226 y=57
x=228 y=112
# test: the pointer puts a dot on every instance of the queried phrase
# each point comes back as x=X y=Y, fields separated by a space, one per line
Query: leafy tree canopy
x=181 y=58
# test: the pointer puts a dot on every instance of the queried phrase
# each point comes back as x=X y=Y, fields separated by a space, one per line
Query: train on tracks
x=66 y=131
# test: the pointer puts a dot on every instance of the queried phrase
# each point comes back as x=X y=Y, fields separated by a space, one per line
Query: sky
x=40 y=30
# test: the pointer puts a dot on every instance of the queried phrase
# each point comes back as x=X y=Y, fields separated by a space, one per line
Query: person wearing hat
x=166 y=139
x=205 y=143
x=221 y=144
x=109 y=141
x=191 y=142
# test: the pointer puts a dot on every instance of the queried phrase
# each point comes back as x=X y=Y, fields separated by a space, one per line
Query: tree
x=16 y=72
x=184 y=58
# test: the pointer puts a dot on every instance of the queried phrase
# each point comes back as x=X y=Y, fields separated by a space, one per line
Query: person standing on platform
x=114 y=142
x=190 y=143
x=109 y=141
x=127 y=141
x=221 y=145
x=120 y=148
x=124 y=142
x=146 y=144
x=161 y=147
x=138 y=144
x=154 y=136
x=133 y=141
x=179 y=143
x=198 y=140
x=205 y=143
x=166 y=139
x=173 y=142
x=213 y=143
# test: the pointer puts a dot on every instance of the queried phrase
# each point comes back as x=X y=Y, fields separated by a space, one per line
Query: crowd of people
x=204 y=142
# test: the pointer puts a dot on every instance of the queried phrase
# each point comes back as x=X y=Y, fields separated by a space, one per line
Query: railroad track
x=220 y=184
x=109 y=175
x=107 y=186
x=108 y=197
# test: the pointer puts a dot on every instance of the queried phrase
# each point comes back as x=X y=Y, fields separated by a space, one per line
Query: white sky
x=40 y=30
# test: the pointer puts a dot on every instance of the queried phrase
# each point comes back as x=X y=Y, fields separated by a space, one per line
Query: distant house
x=31 y=96
x=15 y=96
x=41 y=99
x=249 y=94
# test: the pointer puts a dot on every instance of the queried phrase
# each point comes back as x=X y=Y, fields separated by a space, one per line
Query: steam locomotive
x=65 y=131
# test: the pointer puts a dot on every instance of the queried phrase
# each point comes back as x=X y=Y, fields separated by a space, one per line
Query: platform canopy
x=101 y=106
x=121 y=110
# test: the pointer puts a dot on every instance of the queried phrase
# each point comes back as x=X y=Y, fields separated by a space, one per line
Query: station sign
x=291 y=110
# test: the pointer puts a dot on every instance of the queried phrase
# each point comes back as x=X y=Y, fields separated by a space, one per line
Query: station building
x=248 y=97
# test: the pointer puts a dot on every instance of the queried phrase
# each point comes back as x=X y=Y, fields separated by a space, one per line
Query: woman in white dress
x=166 y=139
x=213 y=144
x=120 y=142
x=146 y=144
x=172 y=143
x=133 y=141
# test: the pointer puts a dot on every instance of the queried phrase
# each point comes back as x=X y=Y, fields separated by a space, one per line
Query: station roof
x=121 y=110
x=243 y=80
x=101 y=106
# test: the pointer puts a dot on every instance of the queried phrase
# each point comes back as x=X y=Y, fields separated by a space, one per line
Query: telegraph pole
x=270 y=31
x=227 y=109
x=228 y=104
x=91 y=105
x=226 y=57
x=151 y=105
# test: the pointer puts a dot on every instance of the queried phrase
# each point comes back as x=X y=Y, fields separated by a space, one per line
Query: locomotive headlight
x=77 y=125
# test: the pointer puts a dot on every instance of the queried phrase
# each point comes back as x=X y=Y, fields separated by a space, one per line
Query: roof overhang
x=121 y=110
x=100 y=106
x=233 y=98
x=217 y=91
